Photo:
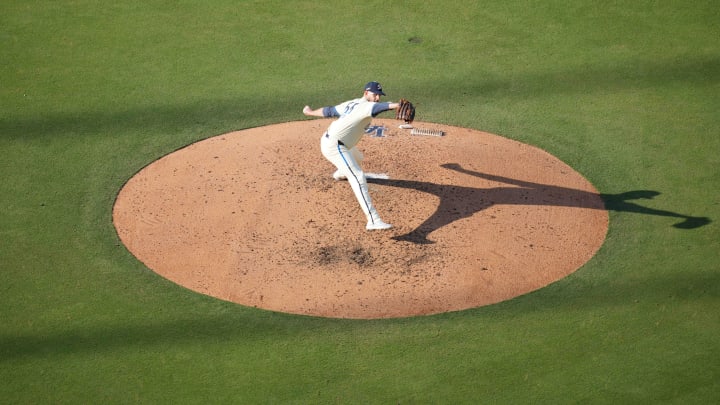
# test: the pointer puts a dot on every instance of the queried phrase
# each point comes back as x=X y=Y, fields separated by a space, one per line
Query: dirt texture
x=255 y=217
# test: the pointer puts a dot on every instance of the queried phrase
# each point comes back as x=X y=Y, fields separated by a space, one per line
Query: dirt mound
x=255 y=217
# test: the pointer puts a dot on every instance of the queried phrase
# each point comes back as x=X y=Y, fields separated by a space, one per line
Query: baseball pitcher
x=338 y=143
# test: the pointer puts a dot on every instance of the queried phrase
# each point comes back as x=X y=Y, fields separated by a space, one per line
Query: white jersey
x=354 y=116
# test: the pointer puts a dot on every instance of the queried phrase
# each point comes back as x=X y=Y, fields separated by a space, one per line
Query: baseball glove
x=406 y=111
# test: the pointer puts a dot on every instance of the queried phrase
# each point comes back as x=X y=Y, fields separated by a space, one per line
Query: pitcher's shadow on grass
x=457 y=202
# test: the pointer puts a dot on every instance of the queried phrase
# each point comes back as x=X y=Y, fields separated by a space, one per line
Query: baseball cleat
x=338 y=176
x=377 y=226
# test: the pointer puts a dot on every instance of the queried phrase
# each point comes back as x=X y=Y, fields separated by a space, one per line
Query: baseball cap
x=374 y=87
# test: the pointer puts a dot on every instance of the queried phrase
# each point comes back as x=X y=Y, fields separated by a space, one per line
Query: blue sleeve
x=330 y=112
x=379 y=108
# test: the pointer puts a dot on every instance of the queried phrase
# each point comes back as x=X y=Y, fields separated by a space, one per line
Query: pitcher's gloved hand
x=406 y=111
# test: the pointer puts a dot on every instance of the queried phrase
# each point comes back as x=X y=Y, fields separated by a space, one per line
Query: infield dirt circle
x=255 y=217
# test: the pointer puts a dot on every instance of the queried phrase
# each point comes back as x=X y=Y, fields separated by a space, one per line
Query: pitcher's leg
x=346 y=164
x=358 y=183
x=340 y=173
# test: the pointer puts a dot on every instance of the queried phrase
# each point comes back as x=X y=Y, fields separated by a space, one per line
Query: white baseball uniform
x=338 y=146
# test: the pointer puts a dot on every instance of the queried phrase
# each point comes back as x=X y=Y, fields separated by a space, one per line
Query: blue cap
x=374 y=87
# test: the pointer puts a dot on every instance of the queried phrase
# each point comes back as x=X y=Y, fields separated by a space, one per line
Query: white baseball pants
x=347 y=161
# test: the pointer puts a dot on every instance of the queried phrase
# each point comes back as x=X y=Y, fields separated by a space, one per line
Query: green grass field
x=628 y=93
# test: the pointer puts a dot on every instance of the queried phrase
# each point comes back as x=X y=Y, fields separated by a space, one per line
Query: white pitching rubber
x=427 y=132
x=383 y=176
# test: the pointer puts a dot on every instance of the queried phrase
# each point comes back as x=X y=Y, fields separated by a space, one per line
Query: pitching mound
x=255 y=217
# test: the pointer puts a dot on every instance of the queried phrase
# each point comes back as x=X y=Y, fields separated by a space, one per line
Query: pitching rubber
x=427 y=132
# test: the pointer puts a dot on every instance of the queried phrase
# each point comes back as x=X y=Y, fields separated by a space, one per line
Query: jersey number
x=349 y=108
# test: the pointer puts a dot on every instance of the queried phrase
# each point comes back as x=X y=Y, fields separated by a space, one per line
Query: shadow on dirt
x=457 y=202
